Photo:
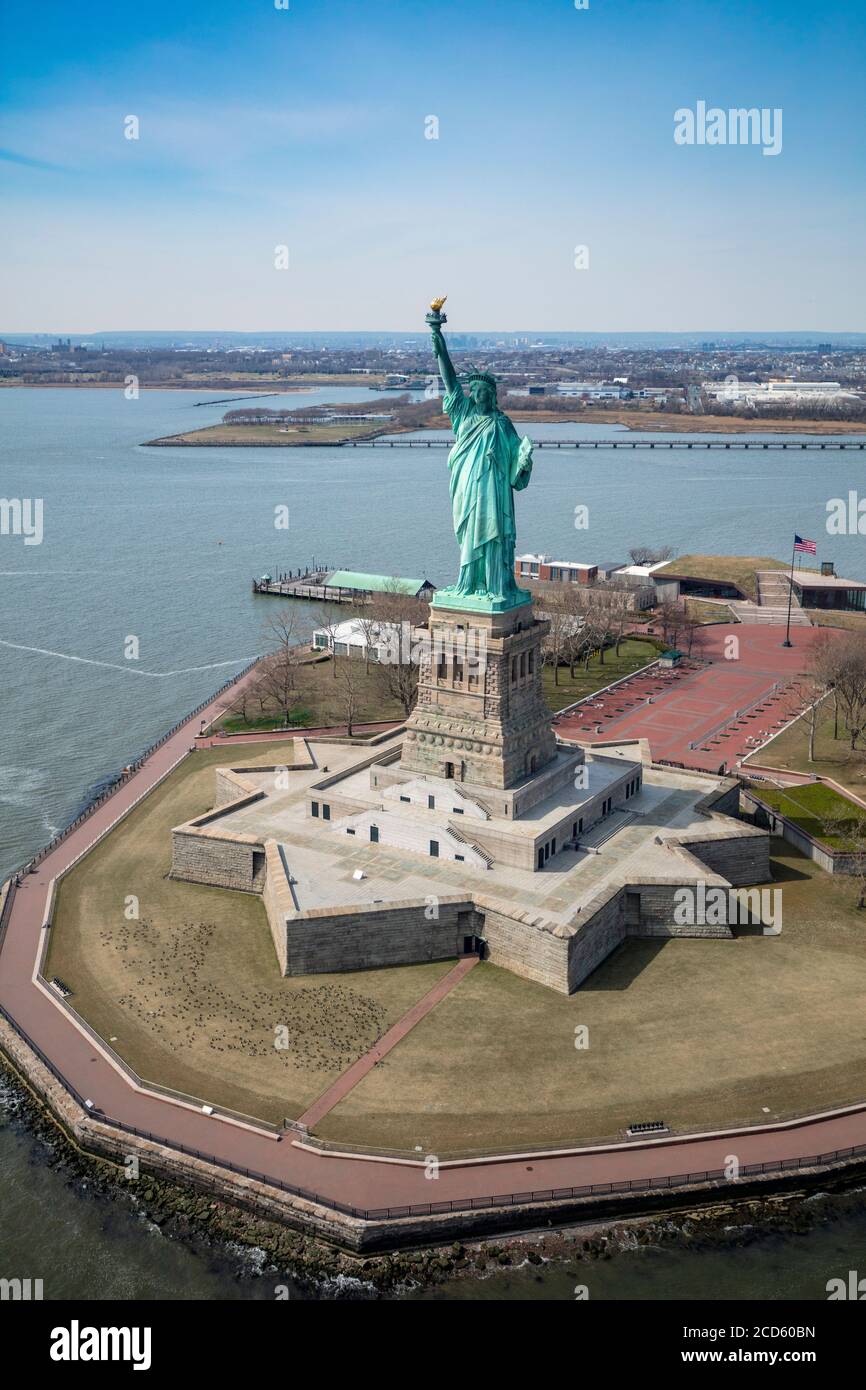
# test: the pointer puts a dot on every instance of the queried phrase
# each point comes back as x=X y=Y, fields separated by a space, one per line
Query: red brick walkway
x=350 y=1078
x=697 y=705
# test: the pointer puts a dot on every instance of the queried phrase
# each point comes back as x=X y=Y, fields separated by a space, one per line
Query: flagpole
x=787 y=642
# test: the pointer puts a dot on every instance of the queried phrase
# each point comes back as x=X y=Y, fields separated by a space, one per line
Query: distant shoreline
x=690 y=424
x=640 y=421
x=208 y=437
x=280 y=388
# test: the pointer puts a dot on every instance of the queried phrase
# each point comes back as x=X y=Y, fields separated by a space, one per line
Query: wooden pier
x=310 y=585
x=622 y=444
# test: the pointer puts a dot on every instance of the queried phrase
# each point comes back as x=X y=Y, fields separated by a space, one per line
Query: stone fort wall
x=226 y=861
x=329 y=941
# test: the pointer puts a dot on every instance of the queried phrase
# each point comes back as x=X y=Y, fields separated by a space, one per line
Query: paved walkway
x=350 y=1078
x=690 y=715
x=377 y=1185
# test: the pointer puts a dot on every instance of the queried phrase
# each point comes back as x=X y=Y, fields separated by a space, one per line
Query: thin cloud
x=13 y=157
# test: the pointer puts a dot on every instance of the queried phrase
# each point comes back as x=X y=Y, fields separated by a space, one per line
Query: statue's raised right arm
x=446 y=366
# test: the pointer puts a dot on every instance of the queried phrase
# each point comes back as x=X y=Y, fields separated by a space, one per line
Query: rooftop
x=808 y=579
x=376 y=583
x=322 y=862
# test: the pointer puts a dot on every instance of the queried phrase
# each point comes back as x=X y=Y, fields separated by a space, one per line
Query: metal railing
x=776 y=691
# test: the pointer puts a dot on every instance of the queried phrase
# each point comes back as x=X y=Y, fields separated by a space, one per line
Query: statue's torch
x=435 y=317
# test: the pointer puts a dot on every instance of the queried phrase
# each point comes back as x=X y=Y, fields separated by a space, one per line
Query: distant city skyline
x=554 y=192
x=264 y=339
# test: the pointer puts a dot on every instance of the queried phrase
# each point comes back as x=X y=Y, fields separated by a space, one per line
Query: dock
x=310 y=585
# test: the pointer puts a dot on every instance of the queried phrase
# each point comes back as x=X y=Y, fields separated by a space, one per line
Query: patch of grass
x=699 y=611
x=830 y=617
x=320 y=702
x=730 y=569
x=561 y=690
x=298 y=719
x=190 y=992
x=811 y=806
x=698 y=1033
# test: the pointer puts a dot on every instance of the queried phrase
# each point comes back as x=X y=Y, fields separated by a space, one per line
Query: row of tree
x=837 y=670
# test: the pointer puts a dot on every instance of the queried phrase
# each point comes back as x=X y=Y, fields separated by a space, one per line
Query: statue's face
x=482 y=396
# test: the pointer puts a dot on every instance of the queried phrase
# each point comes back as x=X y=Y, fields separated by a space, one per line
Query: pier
x=309 y=585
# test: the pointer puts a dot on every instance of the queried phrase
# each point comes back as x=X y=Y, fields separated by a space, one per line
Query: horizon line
x=421 y=332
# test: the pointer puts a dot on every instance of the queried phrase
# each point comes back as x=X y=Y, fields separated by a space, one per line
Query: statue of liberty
x=487 y=463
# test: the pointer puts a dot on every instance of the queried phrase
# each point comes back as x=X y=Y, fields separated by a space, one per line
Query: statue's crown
x=483 y=376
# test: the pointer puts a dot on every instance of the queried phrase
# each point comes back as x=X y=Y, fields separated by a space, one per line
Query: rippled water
x=162 y=545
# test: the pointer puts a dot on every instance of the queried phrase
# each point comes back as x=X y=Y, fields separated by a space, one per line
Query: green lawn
x=561 y=690
x=734 y=569
x=811 y=806
x=322 y=699
x=299 y=718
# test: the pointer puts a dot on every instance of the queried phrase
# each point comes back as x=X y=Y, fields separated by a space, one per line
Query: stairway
x=605 y=829
x=462 y=839
x=774 y=588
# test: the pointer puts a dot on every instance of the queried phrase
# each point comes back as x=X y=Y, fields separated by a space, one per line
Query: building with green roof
x=380 y=584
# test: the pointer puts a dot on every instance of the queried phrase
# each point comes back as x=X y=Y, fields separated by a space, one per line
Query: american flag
x=806 y=547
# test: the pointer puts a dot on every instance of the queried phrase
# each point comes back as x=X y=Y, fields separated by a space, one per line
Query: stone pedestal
x=480 y=716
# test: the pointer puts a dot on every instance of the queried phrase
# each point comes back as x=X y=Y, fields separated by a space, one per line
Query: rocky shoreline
x=319 y=1270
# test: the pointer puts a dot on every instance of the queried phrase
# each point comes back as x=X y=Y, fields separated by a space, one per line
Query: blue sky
x=305 y=127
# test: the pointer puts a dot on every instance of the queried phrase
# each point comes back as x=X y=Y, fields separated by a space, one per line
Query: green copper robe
x=487 y=462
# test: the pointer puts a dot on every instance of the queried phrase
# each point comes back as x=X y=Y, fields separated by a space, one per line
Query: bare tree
x=240 y=705
x=619 y=614
x=393 y=605
x=555 y=611
x=809 y=692
x=578 y=636
x=276 y=681
x=284 y=629
x=692 y=634
x=348 y=694
x=672 y=618
x=399 y=673
x=649 y=555
x=842 y=664
x=278 y=673
x=398 y=615
x=330 y=617
x=850 y=831
x=818 y=679
x=368 y=625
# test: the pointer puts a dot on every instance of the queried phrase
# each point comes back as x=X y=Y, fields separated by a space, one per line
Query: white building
x=778 y=389
x=356 y=635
